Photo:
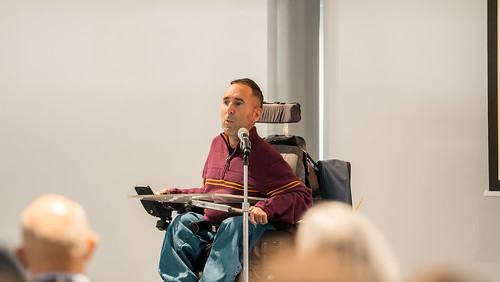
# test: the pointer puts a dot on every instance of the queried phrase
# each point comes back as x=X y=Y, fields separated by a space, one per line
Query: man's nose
x=230 y=108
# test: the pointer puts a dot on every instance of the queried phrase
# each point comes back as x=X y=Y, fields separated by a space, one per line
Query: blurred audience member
x=10 y=270
x=57 y=241
x=334 y=244
x=445 y=274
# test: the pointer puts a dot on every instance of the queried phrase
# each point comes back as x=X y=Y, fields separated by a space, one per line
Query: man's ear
x=21 y=257
x=92 y=241
x=257 y=113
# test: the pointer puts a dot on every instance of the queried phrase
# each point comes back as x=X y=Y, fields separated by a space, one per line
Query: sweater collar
x=253 y=137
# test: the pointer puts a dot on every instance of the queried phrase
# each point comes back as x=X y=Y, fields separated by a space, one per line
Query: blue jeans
x=181 y=247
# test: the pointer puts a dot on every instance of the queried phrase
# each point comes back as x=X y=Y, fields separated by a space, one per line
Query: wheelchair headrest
x=280 y=113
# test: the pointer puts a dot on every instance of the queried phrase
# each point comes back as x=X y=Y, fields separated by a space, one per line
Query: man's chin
x=227 y=130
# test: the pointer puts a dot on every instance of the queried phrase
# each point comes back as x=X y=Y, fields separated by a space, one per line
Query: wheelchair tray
x=162 y=206
x=186 y=198
x=220 y=202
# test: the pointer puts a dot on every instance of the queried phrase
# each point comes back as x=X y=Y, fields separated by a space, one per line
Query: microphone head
x=242 y=131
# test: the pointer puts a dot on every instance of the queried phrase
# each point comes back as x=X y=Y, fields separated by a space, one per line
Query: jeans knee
x=180 y=223
x=234 y=223
x=186 y=218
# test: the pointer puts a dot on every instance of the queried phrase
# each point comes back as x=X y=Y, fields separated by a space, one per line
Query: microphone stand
x=245 y=207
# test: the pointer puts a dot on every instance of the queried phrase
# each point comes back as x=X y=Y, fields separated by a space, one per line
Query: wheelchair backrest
x=329 y=179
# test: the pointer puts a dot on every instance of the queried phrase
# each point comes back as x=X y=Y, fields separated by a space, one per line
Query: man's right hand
x=162 y=192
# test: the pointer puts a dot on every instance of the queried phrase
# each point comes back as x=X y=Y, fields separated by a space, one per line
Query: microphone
x=245 y=144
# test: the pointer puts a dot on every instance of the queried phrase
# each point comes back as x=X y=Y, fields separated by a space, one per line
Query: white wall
x=98 y=96
x=407 y=104
x=293 y=63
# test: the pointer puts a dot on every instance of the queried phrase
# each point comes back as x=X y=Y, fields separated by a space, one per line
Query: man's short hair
x=255 y=88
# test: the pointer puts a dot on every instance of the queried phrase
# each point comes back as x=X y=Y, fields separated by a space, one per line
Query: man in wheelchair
x=269 y=176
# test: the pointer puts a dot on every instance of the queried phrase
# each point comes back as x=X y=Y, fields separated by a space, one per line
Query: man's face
x=240 y=108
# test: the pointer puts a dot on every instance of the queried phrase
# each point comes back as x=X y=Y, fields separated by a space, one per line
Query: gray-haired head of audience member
x=349 y=241
x=56 y=236
x=10 y=270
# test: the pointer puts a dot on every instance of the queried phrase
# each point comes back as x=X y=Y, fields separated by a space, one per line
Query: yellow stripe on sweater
x=283 y=188
x=236 y=186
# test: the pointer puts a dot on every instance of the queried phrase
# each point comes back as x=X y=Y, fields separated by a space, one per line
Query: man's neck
x=233 y=142
x=75 y=267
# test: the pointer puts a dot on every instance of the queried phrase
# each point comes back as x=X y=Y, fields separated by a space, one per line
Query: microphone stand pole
x=245 y=207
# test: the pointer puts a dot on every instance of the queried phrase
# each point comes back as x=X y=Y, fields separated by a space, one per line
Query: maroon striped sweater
x=268 y=176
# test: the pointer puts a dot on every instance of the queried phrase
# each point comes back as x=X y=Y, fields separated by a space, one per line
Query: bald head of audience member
x=56 y=236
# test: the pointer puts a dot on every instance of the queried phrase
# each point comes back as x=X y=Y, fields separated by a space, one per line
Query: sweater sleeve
x=289 y=198
x=186 y=191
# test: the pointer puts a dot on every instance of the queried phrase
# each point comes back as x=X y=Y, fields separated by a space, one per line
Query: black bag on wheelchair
x=334 y=180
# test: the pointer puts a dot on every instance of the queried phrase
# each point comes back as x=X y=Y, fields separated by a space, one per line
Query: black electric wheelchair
x=329 y=180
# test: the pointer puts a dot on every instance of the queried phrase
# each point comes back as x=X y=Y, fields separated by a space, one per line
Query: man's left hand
x=257 y=215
